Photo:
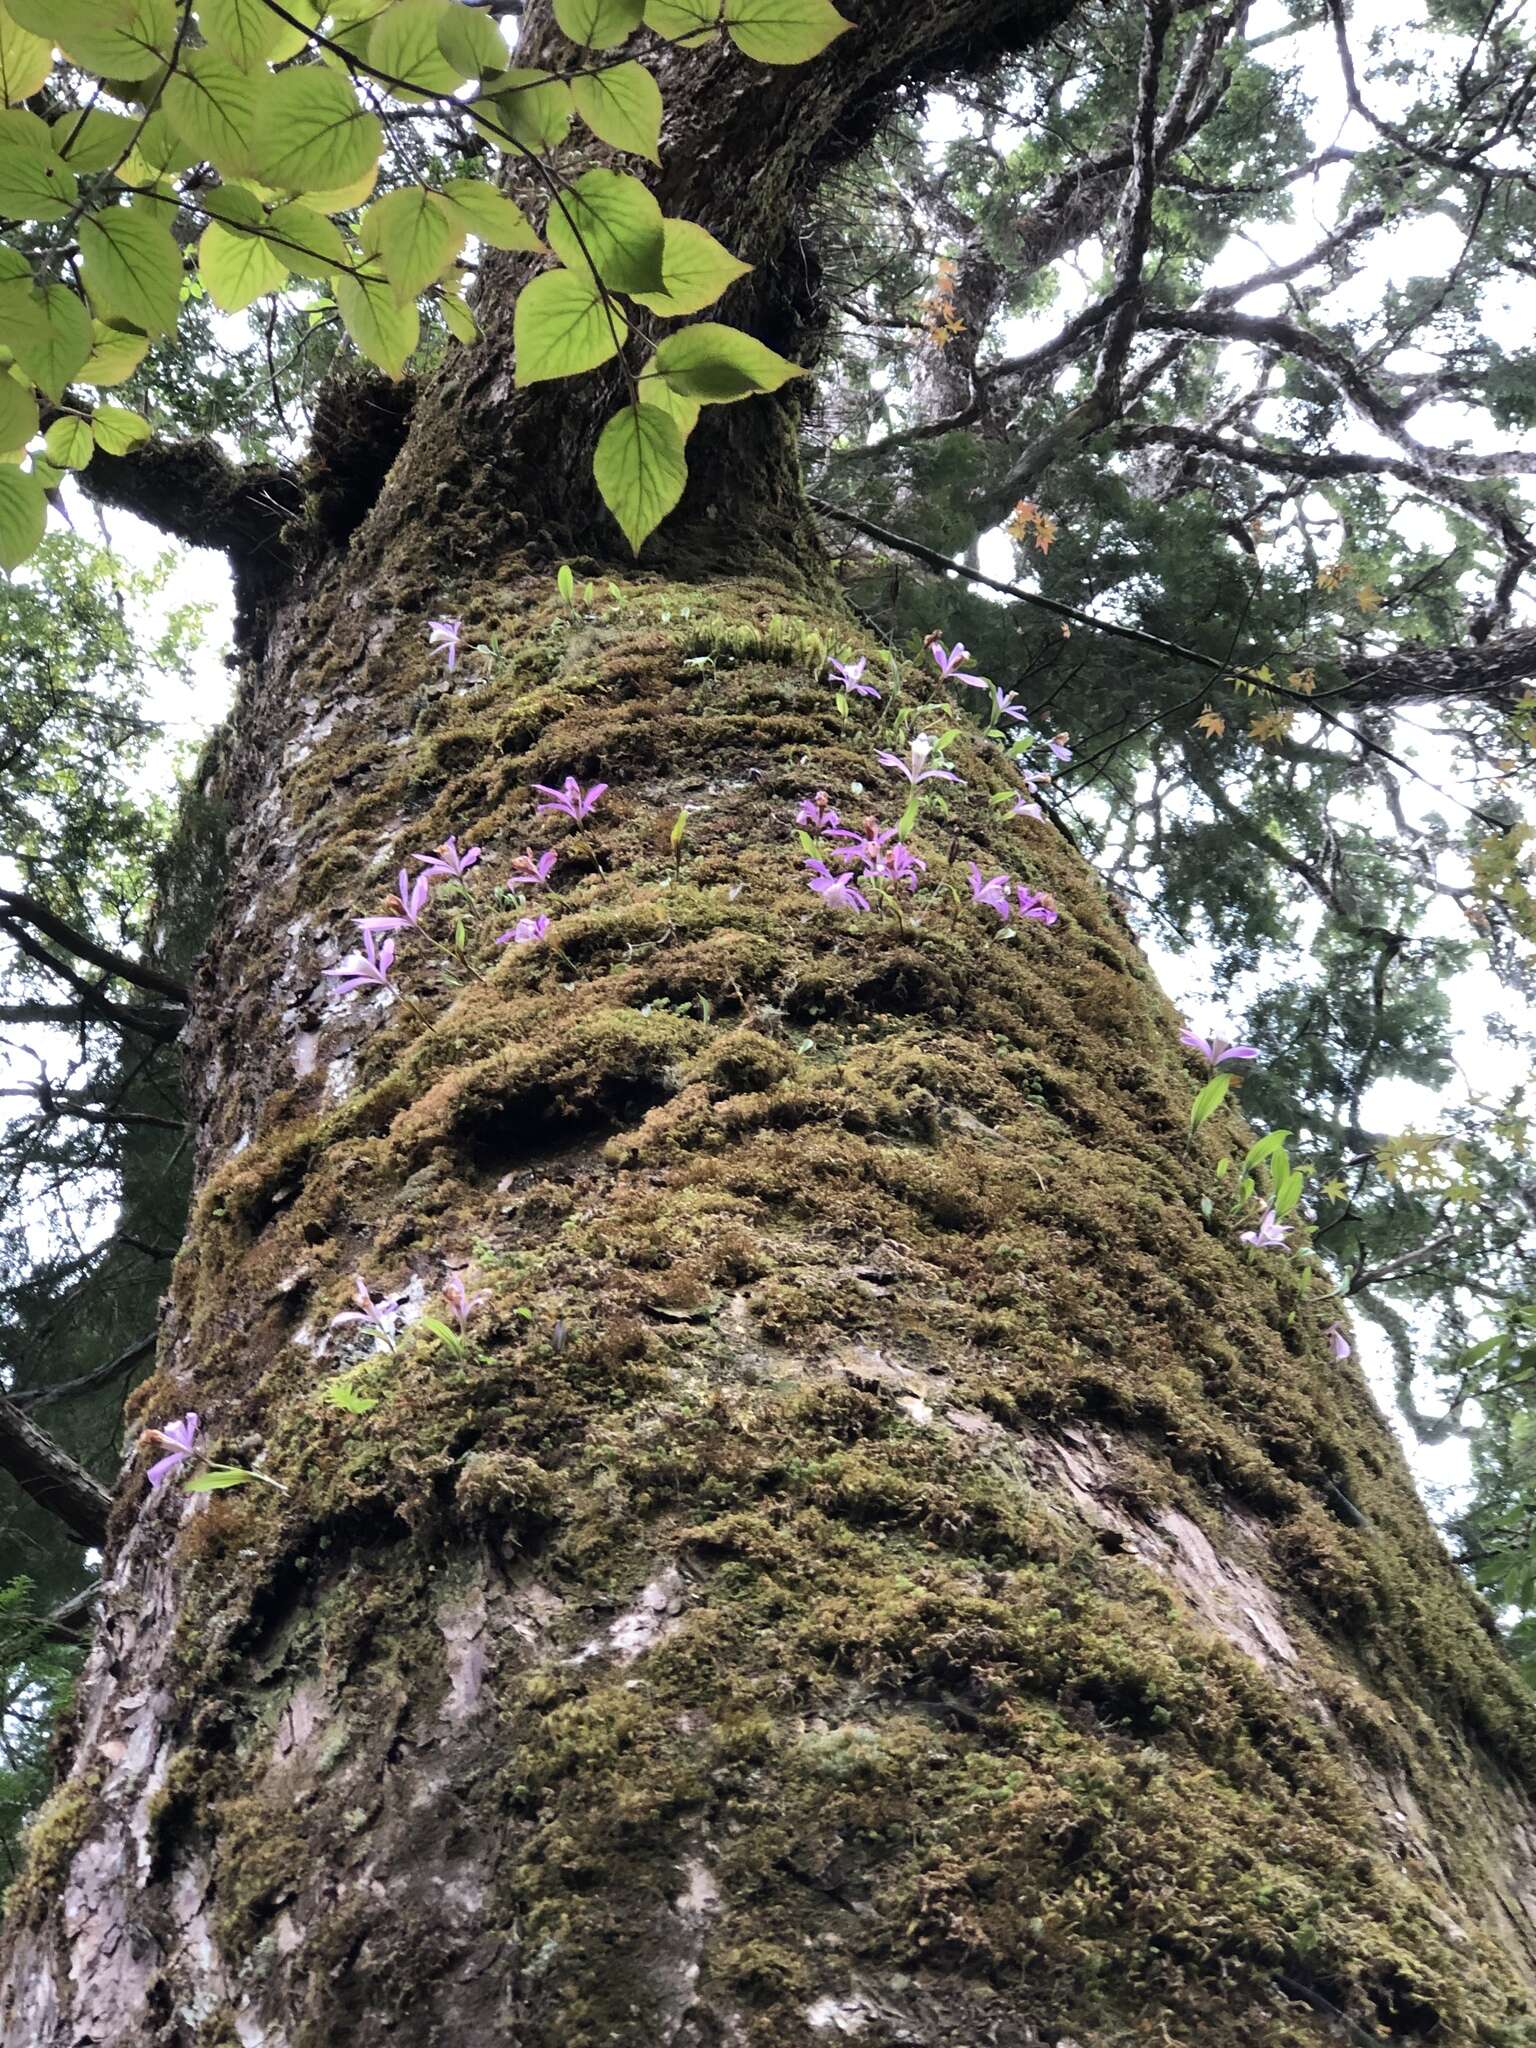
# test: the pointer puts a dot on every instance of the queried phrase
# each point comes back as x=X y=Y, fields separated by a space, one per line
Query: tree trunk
x=883 y=1567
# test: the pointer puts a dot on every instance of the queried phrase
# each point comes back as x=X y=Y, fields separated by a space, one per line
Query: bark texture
x=884 y=1568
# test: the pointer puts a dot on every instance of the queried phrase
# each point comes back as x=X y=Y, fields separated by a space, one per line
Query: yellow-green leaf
x=783 y=31
x=115 y=429
x=131 y=266
x=561 y=326
x=68 y=442
x=696 y=269
x=414 y=236
x=313 y=135
x=657 y=392
x=23 y=515
x=458 y=319
x=25 y=60
x=489 y=215
x=682 y=21
x=610 y=220
x=92 y=140
x=622 y=107
x=214 y=105
x=306 y=242
x=472 y=43
x=247 y=32
x=86 y=32
x=48 y=332
x=403 y=42
x=236 y=206
x=383 y=331
x=238 y=266
x=114 y=355
x=599 y=24
x=526 y=110
x=718 y=365
x=640 y=469
x=18 y=415
x=34 y=183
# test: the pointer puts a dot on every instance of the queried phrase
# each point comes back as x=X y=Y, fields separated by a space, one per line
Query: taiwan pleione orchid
x=816 y=813
x=837 y=890
x=993 y=893
x=532 y=870
x=1035 y=905
x=849 y=675
x=1337 y=1342
x=381 y=1318
x=447 y=864
x=461 y=1303
x=1023 y=808
x=411 y=902
x=1059 y=748
x=1005 y=705
x=570 y=799
x=444 y=637
x=526 y=932
x=1216 y=1051
x=368 y=968
x=1270 y=1234
x=178 y=1440
x=918 y=766
x=950 y=663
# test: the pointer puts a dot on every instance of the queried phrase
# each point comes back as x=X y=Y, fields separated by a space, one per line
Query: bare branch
x=52 y=1478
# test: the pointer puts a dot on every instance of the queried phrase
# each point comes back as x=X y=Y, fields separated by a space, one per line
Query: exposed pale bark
x=887 y=1568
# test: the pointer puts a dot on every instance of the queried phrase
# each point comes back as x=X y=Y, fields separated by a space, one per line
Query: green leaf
x=783 y=31
x=610 y=220
x=218 y=1480
x=529 y=110
x=305 y=242
x=116 y=430
x=472 y=43
x=158 y=148
x=26 y=60
x=640 y=469
x=131 y=266
x=386 y=333
x=214 y=105
x=403 y=42
x=247 y=32
x=561 y=326
x=1288 y=1193
x=909 y=816
x=48 y=332
x=718 y=365
x=68 y=442
x=92 y=140
x=313 y=136
x=489 y=215
x=622 y=107
x=695 y=268
x=1265 y=1148
x=658 y=392
x=341 y=1393
x=683 y=21
x=34 y=183
x=1208 y=1101
x=414 y=237
x=565 y=582
x=232 y=204
x=238 y=266
x=599 y=24
x=114 y=356
x=458 y=319
x=87 y=33
x=18 y=415
x=23 y=515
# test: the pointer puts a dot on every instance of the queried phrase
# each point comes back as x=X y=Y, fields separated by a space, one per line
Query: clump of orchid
x=182 y=1443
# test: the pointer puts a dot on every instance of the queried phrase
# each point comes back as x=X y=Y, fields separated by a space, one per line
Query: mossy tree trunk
x=884 y=1568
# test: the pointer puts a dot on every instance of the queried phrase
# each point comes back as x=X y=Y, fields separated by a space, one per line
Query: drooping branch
x=17 y=908
x=52 y=1478
x=86 y=1382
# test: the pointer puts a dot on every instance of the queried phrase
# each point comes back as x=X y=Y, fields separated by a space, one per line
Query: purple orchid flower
x=1337 y=1342
x=815 y=813
x=1214 y=1050
x=838 y=890
x=179 y=1440
x=850 y=675
x=993 y=893
x=898 y=864
x=1270 y=1236
x=443 y=637
x=381 y=1317
x=531 y=870
x=864 y=847
x=1036 y=905
x=411 y=902
x=1023 y=808
x=462 y=1304
x=1057 y=745
x=367 y=969
x=916 y=766
x=447 y=864
x=949 y=662
x=570 y=798
x=1006 y=705
x=526 y=932
x=1033 y=778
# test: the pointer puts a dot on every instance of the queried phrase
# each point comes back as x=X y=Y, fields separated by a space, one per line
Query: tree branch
x=52 y=1478
x=86 y=1382
x=16 y=907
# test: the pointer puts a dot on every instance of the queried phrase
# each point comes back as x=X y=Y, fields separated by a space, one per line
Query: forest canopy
x=1178 y=368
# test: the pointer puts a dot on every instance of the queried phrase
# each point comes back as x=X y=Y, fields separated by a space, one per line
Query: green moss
x=58 y=1828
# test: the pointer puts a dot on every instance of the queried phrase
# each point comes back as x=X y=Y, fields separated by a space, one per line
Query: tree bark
x=884 y=1566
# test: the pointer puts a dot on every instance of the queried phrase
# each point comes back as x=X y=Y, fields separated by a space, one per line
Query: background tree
x=881 y=1557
